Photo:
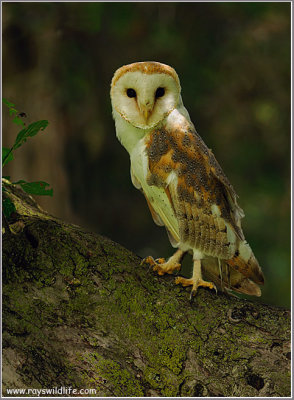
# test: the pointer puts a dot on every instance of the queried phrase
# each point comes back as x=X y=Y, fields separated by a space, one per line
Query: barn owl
x=185 y=188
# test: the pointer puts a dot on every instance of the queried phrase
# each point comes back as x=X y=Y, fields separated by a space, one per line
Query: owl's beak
x=146 y=110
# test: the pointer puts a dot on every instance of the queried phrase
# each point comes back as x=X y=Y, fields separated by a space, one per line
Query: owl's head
x=144 y=93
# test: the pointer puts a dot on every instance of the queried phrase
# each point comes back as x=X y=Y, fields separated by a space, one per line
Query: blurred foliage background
x=233 y=60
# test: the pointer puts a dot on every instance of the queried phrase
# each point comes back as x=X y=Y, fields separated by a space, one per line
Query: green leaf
x=7 y=103
x=18 y=121
x=7 y=155
x=39 y=188
x=6 y=177
x=12 y=111
x=30 y=131
x=8 y=207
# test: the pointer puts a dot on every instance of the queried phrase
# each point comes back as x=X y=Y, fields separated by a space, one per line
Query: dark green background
x=233 y=60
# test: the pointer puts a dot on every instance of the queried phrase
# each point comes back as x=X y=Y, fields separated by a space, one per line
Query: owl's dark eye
x=131 y=93
x=159 y=92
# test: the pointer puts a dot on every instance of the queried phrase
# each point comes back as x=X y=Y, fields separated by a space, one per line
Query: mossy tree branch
x=80 y=311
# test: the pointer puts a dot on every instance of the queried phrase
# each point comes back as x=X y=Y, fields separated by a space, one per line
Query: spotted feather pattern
x=201 y=184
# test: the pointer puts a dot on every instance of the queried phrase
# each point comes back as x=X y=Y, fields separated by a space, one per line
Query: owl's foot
x=165 y=267
x=196 y=281
x=161 y=266
x=195 y=284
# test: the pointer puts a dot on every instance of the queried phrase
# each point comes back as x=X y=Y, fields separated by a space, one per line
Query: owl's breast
x=156 y=195
x=139 y=162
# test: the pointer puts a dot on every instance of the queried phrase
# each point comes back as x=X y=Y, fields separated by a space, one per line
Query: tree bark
x=79 y=311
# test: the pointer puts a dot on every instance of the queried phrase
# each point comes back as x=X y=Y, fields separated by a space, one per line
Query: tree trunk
x=79 y=311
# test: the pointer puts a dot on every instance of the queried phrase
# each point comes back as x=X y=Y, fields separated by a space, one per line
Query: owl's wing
x=230 y=196
x=204 y=202
x=180 y=163
x=158 y=199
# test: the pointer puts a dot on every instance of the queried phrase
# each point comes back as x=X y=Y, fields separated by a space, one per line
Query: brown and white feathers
x=185 y=188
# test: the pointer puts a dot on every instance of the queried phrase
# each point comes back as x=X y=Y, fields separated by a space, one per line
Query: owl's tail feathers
x=248 y=287
x=228 y=279
x=244 y=262
x=241 y=273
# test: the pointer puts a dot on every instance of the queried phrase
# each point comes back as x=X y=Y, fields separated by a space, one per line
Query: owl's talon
x=157 y=269
x=160 y=265
x=148 y=261
x=192 y=294
x=195 y=283
x=160 y=260
x=183 y=281
x=166 y=268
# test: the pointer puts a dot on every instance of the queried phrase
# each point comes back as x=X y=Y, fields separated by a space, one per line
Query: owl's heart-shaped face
x=145 y=93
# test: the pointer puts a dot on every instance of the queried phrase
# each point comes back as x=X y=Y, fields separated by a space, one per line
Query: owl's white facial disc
x=145 y=99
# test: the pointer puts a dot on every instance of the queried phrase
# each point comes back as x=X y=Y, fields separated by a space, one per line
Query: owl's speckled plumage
x=185 y=188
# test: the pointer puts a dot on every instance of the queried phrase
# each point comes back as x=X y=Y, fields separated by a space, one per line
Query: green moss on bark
x=78 y=308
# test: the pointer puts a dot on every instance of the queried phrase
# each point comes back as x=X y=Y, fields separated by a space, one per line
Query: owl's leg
x=196 y=279
x=165 y=267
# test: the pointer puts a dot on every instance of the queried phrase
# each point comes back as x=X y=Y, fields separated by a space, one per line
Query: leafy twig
x=37 y=188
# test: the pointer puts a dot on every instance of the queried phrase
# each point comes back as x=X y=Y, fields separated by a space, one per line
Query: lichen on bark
x=80 y=311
